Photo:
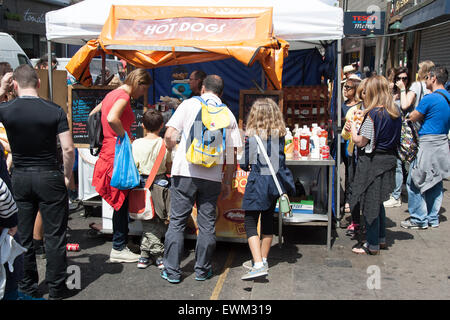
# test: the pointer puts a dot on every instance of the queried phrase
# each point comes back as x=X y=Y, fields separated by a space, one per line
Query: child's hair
x=265 y=119
x=152 y=120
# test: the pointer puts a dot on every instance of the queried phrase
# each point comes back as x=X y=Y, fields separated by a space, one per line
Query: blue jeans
x=120 y=227
x=398 y=180
x=376 y=231
x=424 y=208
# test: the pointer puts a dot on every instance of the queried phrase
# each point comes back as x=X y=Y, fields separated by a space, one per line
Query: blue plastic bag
x=125 y=174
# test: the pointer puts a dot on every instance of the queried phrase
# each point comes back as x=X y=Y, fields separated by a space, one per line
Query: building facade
x=420 y=31
x=24 y=20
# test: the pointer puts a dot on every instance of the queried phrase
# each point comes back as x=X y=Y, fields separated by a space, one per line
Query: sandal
x=362 y=249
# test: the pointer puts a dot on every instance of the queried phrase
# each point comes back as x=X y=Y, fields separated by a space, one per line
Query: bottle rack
x=305 y=105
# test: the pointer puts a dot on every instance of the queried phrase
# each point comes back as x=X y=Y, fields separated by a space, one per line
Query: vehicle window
x=23 y=59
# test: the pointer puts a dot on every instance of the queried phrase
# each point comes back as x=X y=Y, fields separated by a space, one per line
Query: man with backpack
x=197 y=180
x=432 y=163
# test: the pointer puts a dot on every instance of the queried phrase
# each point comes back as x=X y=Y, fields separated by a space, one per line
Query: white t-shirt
x=145 y=151
x=182 y=120
x=420 y=92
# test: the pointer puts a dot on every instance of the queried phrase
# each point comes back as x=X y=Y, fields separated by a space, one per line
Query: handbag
x=140 y=202
x=409 y=145
x=283 y=201
x=125 y=175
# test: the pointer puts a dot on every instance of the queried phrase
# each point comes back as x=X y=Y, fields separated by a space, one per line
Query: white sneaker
x=249 y=264
x=255 y=273
x=124 y=255
x=392 y=203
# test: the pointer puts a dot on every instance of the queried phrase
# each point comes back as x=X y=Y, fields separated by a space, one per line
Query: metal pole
x=50 y=70
x=103 y=68
x=338 y=142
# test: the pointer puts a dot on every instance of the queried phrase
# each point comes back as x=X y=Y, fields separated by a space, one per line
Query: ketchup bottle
x=304 y=143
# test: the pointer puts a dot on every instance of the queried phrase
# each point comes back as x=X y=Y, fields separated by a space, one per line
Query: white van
x=11 y=52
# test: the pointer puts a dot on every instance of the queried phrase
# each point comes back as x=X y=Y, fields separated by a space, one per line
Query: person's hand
x=12 y=231
x=391 y=85
x=6 y=82
x=400 y=84
x=348 y=126
x=226 y=191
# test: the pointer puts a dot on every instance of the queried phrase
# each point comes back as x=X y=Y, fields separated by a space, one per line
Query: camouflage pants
x=153 y=231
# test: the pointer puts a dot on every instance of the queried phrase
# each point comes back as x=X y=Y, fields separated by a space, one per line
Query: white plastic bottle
x=315 y=145
x=289 y=144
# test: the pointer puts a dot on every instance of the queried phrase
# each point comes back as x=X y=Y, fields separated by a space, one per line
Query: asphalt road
x=415 y=266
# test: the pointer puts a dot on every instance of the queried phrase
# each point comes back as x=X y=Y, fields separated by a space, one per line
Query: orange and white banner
x=230 y=216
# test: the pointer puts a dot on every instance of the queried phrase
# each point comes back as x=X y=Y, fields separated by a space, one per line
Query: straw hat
x=348 y=68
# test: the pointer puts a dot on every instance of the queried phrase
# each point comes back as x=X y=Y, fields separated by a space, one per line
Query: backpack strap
x=156 y=165
x=444 y=97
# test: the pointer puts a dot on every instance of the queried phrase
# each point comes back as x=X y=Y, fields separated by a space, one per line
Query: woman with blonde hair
x=117 y=118
x=377 y=141
x=266 y=121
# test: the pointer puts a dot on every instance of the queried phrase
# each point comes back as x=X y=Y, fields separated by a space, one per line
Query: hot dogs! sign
x=195 y=29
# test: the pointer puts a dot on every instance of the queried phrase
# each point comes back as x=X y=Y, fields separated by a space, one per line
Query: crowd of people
x=374 y=111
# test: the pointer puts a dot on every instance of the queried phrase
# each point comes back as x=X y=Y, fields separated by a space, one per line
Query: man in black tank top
x=33 y=125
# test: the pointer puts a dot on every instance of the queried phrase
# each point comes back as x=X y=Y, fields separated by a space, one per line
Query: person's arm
x=8 y=214
x=65 y=138
x=358 y=140
x=415 y=116
x=170 y=137
x=114 y=115
x=96 y=109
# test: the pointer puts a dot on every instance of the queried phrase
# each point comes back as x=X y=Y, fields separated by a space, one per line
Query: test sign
x=363 y=23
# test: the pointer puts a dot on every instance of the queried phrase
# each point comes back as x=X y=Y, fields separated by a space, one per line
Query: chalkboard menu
x=82 y=100
x=248 y=97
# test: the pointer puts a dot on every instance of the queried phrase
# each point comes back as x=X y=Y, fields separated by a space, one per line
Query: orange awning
x=150 y=37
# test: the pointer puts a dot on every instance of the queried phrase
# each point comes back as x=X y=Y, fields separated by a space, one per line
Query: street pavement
x=415 y=266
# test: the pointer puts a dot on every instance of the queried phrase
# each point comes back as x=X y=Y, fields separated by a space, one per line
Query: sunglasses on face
x=428 y=77
x=402 y=78
x=348 y=87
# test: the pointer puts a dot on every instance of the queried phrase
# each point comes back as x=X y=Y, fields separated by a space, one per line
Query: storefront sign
x=187 y=29
x=363 y=23
x=400 y=6
x=26 y=16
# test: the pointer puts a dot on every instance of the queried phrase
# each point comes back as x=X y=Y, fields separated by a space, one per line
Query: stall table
x=314 y=219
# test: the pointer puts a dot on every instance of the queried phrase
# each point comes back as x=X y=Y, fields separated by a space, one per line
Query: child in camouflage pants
x=145 y=152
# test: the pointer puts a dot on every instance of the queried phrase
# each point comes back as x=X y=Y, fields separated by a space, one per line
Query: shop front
x=420 y=32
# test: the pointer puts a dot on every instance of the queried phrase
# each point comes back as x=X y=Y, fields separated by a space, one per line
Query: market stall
x=289 y=28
